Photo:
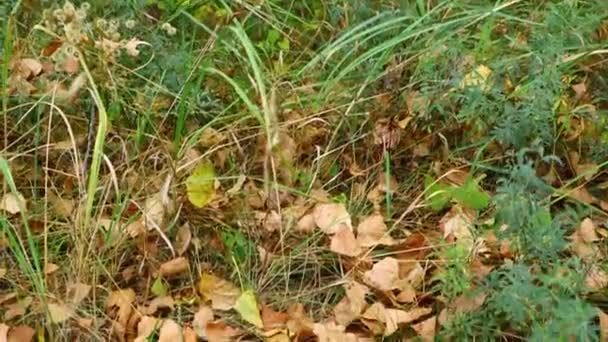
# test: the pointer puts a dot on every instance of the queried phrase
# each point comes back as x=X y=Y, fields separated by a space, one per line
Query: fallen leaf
x=60 y=312
x=392 y=318
x=222 y=294
x=330 y=217
x=306 y=224
x=219 y=331
x=85 y=323
x=174 y=267
x=407 y=293
x=189 y=335
x=372 y=231
x=247 y=307
x=71 y=65
x=344 y=242
x=477 y=78
x=146 y=327
x=183 y=237
x=456 y=224
x=272 y=319
x=12 y=203
x=154 y=213
x=468 y=302
x=50 y=268
x=352 y=305
x=20 y=333
x=596 y=278
x=17 y=309
x=170 y=332
x=4 y=332
x=586 y=231
x=132 y=45
x=272 y=222
x=164 y=302
x=203 y=316
x=122 y=300
x=77 y=292
x=332 y=332
x=299 y=321
x=426 y=329
x=2 y=272
x=27 y=67
x=384 y=274
x=278 y=337
x=63 y=207
x=200 y=185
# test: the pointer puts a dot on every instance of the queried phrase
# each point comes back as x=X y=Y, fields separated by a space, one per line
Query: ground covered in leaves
x=313 y=170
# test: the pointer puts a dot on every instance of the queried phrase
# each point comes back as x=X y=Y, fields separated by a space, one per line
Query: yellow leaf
x=247 y=307
x=222 y=294
x=200 y=185
x=477 y=78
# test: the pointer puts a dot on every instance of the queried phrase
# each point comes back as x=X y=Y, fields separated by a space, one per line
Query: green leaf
x=437 y=194
x=272 y=37
x=200 y=185
x=470 y=195
x=284 y=44
x=158 y=287
x=247 y=307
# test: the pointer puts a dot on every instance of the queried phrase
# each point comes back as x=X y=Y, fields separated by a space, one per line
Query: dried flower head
x=169 y=29
x=130 y=23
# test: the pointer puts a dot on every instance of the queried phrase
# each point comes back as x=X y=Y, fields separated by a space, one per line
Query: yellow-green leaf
x=200 y=185
x=247 y=307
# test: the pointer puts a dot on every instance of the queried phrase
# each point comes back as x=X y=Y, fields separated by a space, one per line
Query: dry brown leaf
x=456 y=224
x=71 y=65
x=203 y=316
x=585 y=250
x=384 y=274
x=50 y=268
x=2 y=272
x=426 y=329
x=272 y=222
x=587 y=231
x=146 y=327
x=299 y=321
x=306 y=224
x=596 y=278
x=63 y=207
x=390 y=318
x=20 y=333
x=27 y=67
x=189 y=335
x=222 y=294
x=272 y=319
x=122 y=301
x=219 y=331
x=164 y=302
x=583 y=195
x=170 y=332
x=345 y=243
x=77 y=292
x=468 y=303
x=372 y=231
x=12 y=203
x=183 y=237
x=174 y=267
x=17 y=309
x=4 y=332
x=407 y=293
x=85 y=323
x=154 y=213
x=352 y=305
x=332 y=332
x=330 y=217
x=278 y=337
x=60 y=312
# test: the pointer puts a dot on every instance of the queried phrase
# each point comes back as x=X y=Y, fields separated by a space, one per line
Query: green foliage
x=469 y=195
x=454 y=277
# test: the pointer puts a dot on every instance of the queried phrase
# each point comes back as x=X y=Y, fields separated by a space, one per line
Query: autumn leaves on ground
x=310 y=170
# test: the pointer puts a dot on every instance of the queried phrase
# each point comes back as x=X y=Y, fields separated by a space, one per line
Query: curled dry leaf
x=183 y=237
x=20 y=333
x=596 y=278
x=4 y=332
x=122 y=302
x=372 y=231
x=131 y=47
x=587 y=232
x=164 y=302
x=352 y=305
x=384 y=274
x=272 y=319
x=154 y=213
x=221 y=293
x=26 y=68
x=299 y=321
x=50 y=268
x=344 y=242
x=146 y=327
x=17 y=309
x=272 y=222
x=603 y=325
x=203 y=316
x=174 y=267
x=390 y=319
x=332 y=332
x=456 y=224
x=12 y=203
x=329 y=217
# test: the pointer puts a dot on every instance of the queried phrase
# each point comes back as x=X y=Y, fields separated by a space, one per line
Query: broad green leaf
x=437 y=194
x=158 y=287
x=469 y=195
x=247 y=307
x=200 y=185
